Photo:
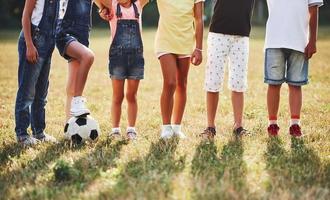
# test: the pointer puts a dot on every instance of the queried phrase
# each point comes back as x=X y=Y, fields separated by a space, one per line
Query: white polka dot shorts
x=223 y=50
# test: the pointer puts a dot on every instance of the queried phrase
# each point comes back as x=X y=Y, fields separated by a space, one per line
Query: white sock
x=130 y=129
x=294 y=121
x=116 y=130
x=166 y=127
x=176 y=128
x=272 y=122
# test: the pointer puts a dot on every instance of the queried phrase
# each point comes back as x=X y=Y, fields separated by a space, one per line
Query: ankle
x=130 y=129
x=295 y=119
x=176 y=128
x=116 y=130
x=272 y=120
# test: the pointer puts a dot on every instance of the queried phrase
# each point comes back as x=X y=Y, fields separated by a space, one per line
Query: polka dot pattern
x=223 y=49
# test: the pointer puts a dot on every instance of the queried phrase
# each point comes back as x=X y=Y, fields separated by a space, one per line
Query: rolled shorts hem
x=237 y=90
x=295 y=83
x=274 y=82
x=126 y=77
x=63 y=53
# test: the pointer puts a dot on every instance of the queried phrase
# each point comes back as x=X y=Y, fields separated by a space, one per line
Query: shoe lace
x=273 y=128
x=295 y=128
x=209 y=132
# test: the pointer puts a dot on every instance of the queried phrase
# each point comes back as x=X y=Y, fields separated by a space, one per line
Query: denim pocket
x=115 y=51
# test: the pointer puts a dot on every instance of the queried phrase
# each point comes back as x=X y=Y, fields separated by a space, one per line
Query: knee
x=170 y=84
x=274 y=87
x=131 y=97
x=182 y=84
x=118 y=99
x=294 y=87
x=88 y=57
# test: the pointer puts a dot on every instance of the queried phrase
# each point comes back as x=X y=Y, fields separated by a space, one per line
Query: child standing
x=179 y=42
x=126 y=60
x=72 y=36
x=35 y=47
x=291 y=35
x=228 y=40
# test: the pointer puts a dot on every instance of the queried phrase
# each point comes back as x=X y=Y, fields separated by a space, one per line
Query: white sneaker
x=29 y=141
x=78 y=107
x=48 y=138
x=177 y=131
x=167 y=132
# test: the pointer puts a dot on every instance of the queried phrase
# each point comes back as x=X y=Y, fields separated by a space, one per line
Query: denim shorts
x=126 y=63
x=69 y=31
x=285 y=65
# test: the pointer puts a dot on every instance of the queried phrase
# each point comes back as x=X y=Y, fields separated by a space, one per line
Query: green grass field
x=256 y=167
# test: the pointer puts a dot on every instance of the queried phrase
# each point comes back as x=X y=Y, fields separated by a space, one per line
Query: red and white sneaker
x=273 y=129
x=295 y=130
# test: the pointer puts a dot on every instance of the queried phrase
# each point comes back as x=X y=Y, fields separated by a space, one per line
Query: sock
x=295 y=119
x=130 y=129
x=272 y=120
x=166 y=127
x=116 y=130
x=176 y=128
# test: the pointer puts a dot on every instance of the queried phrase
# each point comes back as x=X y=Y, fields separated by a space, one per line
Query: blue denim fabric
x=75 y=26
x=285 y=65
x=33 y=79
x=126 y=52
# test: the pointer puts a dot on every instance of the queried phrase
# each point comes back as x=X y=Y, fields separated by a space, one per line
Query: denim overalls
x=74 y=26
x=126 y=52
x=33 y=79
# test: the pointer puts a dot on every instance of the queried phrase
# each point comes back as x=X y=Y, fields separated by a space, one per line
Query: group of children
x=290 y=41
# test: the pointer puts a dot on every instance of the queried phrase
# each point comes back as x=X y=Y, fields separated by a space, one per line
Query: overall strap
x=119 y=14
x=137 y=14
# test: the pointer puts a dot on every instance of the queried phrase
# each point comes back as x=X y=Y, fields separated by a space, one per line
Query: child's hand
x=32 y=54
x=197 y=57
x=310 y=50
x=106 y=14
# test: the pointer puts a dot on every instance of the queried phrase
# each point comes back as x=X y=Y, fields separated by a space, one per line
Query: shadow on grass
x=221 y=177
x=298 y=174
x=28 y=172
x=149 y=177
x=75 y=178
x=8 y=151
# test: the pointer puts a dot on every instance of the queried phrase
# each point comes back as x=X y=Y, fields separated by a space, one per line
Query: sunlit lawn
x=256 y=167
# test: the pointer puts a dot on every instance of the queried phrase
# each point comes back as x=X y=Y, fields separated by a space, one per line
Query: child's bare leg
x=212 y=99
x=295 y=100
x=180 y=96
x=273 y=100
x=70 y=86
x=237 y=99
x=117 y=100
x=85 y=57
x=132 y=106
x=169 y=67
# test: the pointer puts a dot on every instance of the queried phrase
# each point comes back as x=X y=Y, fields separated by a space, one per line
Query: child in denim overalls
x=125 y=60
x=35 y=47
x=72 y=36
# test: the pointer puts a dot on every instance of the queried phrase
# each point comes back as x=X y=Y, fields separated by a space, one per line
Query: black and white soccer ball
x=81 y=129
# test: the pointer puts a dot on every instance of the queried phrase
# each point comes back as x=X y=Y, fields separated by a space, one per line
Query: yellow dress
x=176 y=32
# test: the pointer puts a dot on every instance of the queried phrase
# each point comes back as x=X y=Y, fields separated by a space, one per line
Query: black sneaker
x=209 y=133
x=239 y=132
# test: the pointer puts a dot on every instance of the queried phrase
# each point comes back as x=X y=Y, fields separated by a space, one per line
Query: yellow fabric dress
x=176 y=33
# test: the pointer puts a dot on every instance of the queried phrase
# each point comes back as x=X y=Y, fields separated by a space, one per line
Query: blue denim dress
x=75 y=25
x=126 y=52
x=33 y=79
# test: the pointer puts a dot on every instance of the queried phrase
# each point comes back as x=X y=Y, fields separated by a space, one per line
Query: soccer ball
x=80 y=129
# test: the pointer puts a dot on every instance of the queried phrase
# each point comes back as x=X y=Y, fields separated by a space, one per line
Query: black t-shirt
x=232 y=17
